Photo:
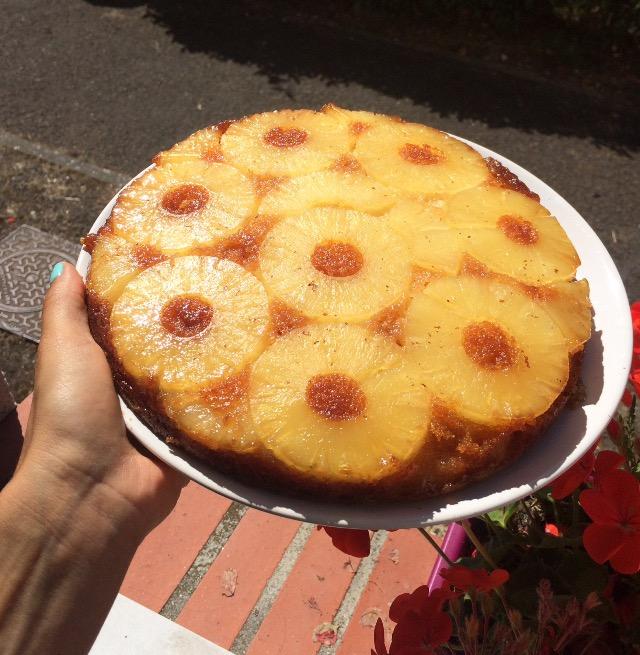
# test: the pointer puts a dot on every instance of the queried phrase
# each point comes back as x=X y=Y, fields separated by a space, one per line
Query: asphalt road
x=112 y=83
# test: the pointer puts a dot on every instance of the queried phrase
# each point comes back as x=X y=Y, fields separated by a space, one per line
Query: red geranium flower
x=356 y=543
x=422 y=623
x=607 y=460
x=614 y=430
x=420 y=601
x=614 y=508
x=421 y=634
x=570 y=480
x=627 y=398
x=480 y=579
x=635 y=380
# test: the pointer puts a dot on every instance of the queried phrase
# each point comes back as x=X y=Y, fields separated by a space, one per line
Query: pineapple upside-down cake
x=338 y=303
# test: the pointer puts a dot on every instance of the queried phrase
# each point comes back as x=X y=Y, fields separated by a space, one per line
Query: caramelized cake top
x=338 y=298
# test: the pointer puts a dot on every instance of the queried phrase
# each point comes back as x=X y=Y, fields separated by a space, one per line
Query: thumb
x=66 y=346
x=64 y=310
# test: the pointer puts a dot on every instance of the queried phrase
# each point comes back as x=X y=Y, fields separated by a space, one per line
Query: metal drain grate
x=26 y=258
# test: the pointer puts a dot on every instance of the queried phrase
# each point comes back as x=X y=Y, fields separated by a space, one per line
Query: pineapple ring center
x=489 y=346
x=423 y=155
x=518 y=229
x=337 y=259
x=185 y=199
x=335 y=397
x=186 y=316
x=281 y=137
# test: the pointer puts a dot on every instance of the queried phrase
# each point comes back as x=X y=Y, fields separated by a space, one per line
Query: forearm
x=62 y=560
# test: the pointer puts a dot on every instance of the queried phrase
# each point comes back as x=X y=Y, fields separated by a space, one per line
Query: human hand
x=82 y=497
x=76 y=442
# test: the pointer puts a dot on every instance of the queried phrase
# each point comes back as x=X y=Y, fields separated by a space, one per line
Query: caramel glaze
x=186 y=316
x=147 y=256
x=243 y=247
x=284 y=318
x=228 y=392
x=335 y=397
x=358 y=127
x=347 y=164
x=89 y=241
x=503 y=177
x=518 y=229
x=390 y=322
x=422 y=155
x=266 y=183
x=185 y=199
x=337 y=259
x=281 y=137
x=489 y=346
x=213 y=155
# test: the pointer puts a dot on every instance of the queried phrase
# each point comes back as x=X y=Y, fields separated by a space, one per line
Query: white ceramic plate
x=605 y=369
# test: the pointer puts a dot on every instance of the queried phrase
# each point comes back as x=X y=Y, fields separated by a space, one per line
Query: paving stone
x=245 y=565
x=58 y=201
x=167 y=553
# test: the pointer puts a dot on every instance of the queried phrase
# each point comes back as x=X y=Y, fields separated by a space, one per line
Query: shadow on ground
x=285 y=46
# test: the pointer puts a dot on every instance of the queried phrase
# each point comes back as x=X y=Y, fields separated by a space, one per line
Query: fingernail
x=56 y=272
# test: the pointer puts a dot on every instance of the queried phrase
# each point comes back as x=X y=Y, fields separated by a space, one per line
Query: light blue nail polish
x=56 y=272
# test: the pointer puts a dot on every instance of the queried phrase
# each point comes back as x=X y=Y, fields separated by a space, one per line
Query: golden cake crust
x=453 y=449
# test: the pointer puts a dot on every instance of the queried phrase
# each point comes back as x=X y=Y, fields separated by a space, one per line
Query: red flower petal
x=459 y=576
x=635 y=380
x=408 y=603
x=421 y=634
x=378 y=638
x=602 y=541
x=607 y=460
x=551 y=529
x=627 y=559
x=623 y=489
x=599 y=508
x=570 y=480
x=627 y=398
x=614 y=429
x=498 y=577
x=356 y=543
x=467 y=579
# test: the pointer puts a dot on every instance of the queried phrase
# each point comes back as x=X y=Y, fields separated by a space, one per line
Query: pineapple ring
x=216 y=417
x=513 y=234
x=568 y=305
x=203 y=145
x=517 y=366
x=328 y=188
x=114 y=263
x=233 y=335
x=378 y=424
x=286 y=142
x=432 y=242
x=288 y=271
x=419 y=159
x=183 y=206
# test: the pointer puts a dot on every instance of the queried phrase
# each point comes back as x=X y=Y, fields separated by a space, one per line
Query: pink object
x=453 y=545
